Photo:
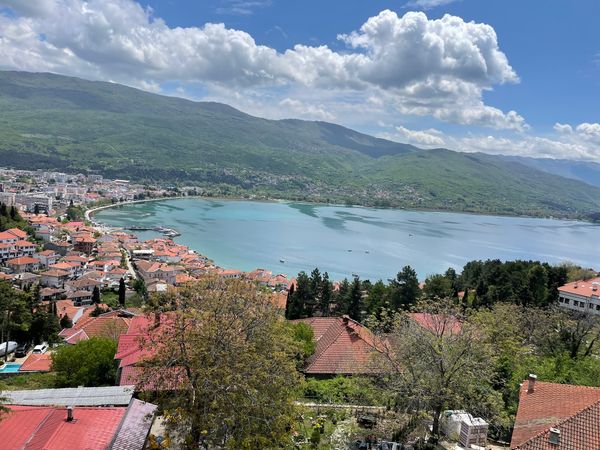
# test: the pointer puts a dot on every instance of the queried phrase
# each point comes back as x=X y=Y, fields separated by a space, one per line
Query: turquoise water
x=10 y=368
x=373 y=243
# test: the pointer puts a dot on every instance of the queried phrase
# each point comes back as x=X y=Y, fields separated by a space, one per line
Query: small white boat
x=282 y=261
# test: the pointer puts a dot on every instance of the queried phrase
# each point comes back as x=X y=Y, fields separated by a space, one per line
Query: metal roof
x=81 y=396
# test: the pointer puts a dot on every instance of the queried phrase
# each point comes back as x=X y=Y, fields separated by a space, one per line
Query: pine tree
x=355 y=298
x=122 y=293
x=326 y=293
x=96 y=295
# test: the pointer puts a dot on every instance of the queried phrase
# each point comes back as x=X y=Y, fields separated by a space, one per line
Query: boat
x=349 y=250
x=367 y=251
x=282 y=261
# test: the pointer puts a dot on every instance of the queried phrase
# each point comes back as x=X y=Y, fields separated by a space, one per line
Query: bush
x=88 y=363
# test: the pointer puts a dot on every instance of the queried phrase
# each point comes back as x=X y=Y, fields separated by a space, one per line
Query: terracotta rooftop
x=41 y=427
x=37 y=363
x=343 y=346
x=574 y=410
x=583 y=288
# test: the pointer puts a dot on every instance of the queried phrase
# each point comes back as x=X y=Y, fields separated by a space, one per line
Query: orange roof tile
x=37 y=363
x=548 y=405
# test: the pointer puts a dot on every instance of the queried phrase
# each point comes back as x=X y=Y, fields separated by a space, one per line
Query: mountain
x=588 y=172
x=56 y=122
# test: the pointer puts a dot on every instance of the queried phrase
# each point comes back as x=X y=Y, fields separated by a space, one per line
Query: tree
x=122 y=293
x=231 y=358
x=538 y=284
x=325 y=295
x=96 y=295
x=404 y=289
x=15 y=315
x=66 y=322
x=438 y=286
x=354 y=305
x=434 y=368
x=88 y=363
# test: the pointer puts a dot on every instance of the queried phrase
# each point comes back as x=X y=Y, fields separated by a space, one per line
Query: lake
x=372 y=243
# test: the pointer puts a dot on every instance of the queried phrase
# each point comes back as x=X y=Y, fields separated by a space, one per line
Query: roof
x=17 y=232
x=22 y=260
x=437 y=323
x=80 y=396
x=343 y=346
x=37 y=363
x=55 y=273
x=583 y=288
x=580 y=431
x=547 y=406
x=41 y=427
x=135 y=427
x=102 y=326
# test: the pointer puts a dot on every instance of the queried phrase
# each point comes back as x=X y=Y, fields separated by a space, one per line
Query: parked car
x=11 y=345
x=22 y=350
x=42 y=348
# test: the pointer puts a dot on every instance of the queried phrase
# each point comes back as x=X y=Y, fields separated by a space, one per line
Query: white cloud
x=306 y=111
x=413 y=64
x=425 y=138
x=563 y=128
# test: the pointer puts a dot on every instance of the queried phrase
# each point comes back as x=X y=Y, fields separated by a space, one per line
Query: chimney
x=554 y=436
x=531 y=386
x=69 y=414
x=346 y=319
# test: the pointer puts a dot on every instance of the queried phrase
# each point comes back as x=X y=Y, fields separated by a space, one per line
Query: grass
x=28 y=381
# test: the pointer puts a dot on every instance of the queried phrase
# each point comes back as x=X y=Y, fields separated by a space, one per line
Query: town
x=89 y=284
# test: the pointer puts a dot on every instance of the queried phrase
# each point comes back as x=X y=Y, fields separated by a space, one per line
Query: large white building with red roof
x=581 y=296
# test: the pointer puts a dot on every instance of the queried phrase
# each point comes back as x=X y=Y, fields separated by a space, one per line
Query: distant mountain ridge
x=55 y=122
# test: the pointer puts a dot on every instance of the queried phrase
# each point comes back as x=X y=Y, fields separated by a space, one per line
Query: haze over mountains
x=56 y=122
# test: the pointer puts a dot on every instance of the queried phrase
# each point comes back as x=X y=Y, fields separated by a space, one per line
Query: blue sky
x=499 y=76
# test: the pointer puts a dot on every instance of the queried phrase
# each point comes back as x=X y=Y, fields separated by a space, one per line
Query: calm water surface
x=372 y=243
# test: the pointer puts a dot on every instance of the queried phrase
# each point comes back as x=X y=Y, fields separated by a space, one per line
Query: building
x=581 y=296
x=344 y=347
x=554 y=416
x=23 y=264
x=76 y=419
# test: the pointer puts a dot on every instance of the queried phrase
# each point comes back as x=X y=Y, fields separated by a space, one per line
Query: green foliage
x=349 y=390
x=10 y=218
x=66 y=322
x=87 y=363
x=61 y=123
x=29 y=382
x=303 y=334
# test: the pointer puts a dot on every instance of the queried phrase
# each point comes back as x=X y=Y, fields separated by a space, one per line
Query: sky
x=497 y=76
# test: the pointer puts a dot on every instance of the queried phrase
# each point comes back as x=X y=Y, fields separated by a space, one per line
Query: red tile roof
x=31 y=427
x=17 y=233
x=437 y=323
x=583 y=288
x=548 y=406
x=22 y=260
x=343 y=346
x=102 y=326
x=37 y=363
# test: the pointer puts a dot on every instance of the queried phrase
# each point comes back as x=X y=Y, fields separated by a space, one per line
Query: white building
x=581 y=296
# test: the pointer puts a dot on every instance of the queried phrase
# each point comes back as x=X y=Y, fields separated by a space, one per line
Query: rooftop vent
x=554 y=436
x=70 y=414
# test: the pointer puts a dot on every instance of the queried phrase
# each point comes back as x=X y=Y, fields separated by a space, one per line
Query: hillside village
x=92 y=282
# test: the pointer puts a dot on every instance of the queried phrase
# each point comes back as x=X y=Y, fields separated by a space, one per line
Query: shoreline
x=90 y=212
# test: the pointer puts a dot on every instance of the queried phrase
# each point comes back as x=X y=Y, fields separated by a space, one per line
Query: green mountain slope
x=55 y=122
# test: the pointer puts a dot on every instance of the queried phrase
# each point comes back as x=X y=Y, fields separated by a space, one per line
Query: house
x=19 y=234
x=76 y=419
x=62 y=247
x=54 y=278
x=8 y=238
x=47 y=257
x=7 y=251
x=80 y=298
x=85 y=244
x=23 y=264
x=110 y=325
x=344 y=347
x=581 y=296
x=84 y=284
x=554 y=416
x=73 y=269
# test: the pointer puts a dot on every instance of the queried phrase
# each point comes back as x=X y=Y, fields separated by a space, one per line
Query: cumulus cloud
x=414 y=64
x=425 y=138
x=580 y=142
